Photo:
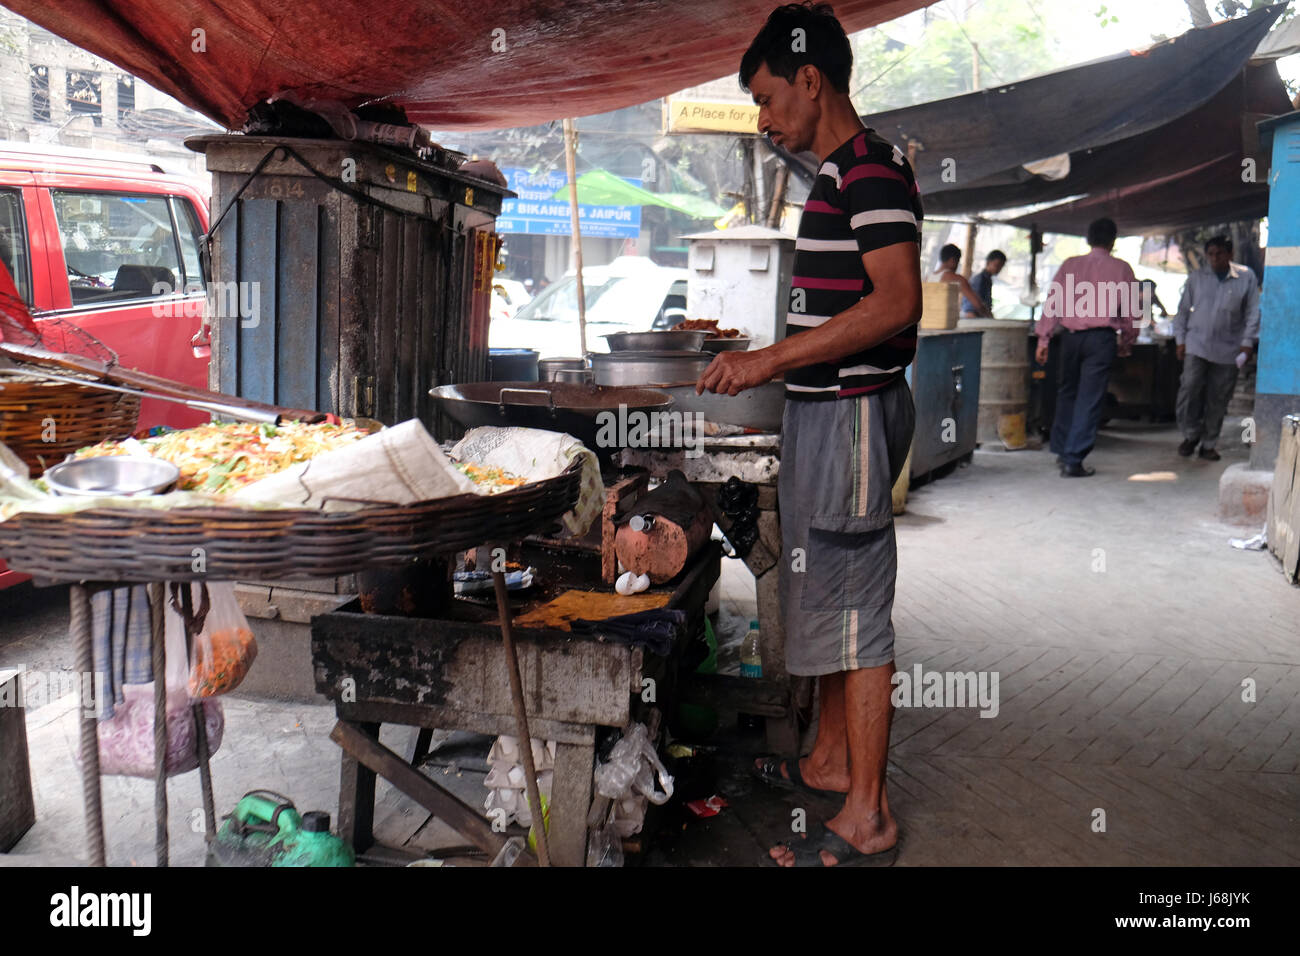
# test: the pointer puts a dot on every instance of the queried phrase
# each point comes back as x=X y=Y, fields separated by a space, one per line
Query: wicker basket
x=228 y=544
x=72 y=415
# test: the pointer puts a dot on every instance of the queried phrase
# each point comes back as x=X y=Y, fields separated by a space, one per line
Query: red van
x=113 y=247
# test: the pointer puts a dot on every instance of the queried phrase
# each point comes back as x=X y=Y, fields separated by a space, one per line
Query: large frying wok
x=553 y=406
x=761 y=408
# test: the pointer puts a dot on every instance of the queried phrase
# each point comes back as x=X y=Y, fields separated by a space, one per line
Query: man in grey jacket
x=1215 y=331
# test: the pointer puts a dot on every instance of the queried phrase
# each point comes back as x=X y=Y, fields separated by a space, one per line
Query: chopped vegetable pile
x=223 y=457
x=494 y=480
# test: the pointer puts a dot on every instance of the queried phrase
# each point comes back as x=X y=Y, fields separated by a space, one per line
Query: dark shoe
x=1209 y=454
x=1077 y=471
x=770 y=773
x=1187 y=447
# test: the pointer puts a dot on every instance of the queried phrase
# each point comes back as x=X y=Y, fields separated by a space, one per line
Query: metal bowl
x=673 y=340
x=735 y=344
x=648 y=368
x=113 y=475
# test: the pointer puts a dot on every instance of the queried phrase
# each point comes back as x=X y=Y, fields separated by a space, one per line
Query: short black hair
x=997 y=254
x=823 y=43
x=1102 y=232
x=1222 y=241
x=949 y=251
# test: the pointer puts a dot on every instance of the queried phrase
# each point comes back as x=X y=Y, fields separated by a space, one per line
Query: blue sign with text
x=536 y=213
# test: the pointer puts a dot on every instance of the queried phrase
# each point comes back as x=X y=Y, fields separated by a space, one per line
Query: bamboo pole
x=571 y=166
x=521 y=719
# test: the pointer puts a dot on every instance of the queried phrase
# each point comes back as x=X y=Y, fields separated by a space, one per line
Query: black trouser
x=1203 y=395
x=1086 y=358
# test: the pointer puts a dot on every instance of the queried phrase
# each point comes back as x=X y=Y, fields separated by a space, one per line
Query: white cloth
x=537 y=454
x=399 y=465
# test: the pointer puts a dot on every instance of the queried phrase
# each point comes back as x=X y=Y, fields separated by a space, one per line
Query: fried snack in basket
x=221 y=458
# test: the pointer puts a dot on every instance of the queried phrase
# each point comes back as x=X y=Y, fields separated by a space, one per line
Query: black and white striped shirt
x=864 y=198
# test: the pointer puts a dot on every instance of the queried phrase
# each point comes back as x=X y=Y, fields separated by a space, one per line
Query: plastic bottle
x=751 y=665
x=751 y=653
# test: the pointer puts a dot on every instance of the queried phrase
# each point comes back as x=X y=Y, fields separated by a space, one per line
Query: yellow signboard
x=705 y=116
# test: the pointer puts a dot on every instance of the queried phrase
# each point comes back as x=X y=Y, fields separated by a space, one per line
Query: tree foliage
x=1012 y=41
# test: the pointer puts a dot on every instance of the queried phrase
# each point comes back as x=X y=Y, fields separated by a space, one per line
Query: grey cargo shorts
x=839 y=461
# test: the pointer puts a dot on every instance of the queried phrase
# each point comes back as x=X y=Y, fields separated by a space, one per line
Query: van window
x=13 y=242
x=187 y=222
x=117 y=246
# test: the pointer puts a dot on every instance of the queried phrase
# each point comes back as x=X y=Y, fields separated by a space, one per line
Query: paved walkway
x=1122 y=627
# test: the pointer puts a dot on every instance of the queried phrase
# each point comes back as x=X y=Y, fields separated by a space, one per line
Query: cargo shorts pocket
x=849 y=569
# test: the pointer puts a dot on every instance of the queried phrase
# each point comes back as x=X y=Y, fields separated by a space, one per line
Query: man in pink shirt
x=1094 y=300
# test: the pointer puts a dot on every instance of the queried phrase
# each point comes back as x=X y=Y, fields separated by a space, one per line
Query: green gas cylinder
x=266 y=829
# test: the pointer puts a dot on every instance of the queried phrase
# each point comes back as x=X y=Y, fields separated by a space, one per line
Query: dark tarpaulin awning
x=1210 y=192
x=450 y=64
x=1223 y=124
x=992 y=133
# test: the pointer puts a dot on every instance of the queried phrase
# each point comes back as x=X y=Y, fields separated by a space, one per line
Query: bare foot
x=816 y=774
x=872 y=833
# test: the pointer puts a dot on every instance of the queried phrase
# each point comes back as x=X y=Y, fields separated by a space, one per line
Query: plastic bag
x=628 y=779
x=126 y=739
x=225 y=648
x=632 y=767
x=604 y=845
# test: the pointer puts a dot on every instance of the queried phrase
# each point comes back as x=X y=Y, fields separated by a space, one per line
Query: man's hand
x=1180 y=351
x=1249 y=350
x=1040 y=354
x=730 y=373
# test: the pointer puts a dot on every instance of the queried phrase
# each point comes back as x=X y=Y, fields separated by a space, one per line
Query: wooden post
x=571 y=166
x=1035 y=244
x=968 y=257
x=778 y=197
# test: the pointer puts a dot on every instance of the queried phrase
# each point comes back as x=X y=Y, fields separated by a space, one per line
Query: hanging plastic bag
x=628 y=778
x=604 y=845
x=224 y=648
x=633 y=766
x=126 y=740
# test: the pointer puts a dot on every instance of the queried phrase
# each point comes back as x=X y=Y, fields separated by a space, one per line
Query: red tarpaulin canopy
x=450 y=64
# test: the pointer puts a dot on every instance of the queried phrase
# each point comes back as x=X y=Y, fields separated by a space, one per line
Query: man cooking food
x=855 y=301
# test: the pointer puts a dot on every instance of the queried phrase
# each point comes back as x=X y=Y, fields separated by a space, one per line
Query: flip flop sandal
x=770 y=773
x=808 y=852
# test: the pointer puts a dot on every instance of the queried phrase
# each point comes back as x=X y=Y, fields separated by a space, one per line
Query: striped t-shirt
x=864 y=198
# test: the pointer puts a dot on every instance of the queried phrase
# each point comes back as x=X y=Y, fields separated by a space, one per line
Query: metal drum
x=1004 y=381
x=512 y=365
x=549 y=369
